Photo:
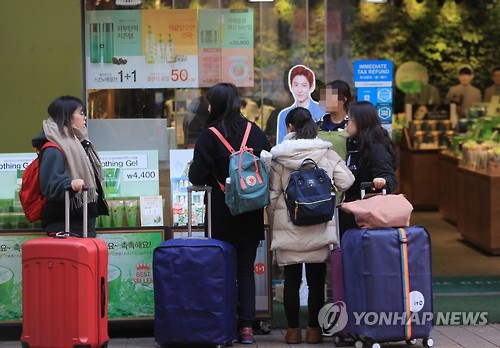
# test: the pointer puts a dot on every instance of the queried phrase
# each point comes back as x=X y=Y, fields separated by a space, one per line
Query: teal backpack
x=247 y=187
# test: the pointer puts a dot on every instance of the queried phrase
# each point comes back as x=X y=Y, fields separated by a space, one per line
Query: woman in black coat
x=210 y=167
x=371 y=156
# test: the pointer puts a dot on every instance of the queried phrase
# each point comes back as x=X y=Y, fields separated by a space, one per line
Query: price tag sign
x=226 y=47
x=141 y=49
x=140 y=175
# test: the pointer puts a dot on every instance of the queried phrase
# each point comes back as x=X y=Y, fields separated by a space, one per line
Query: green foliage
x=441 y=37
x=317 y=39
x=284 y=9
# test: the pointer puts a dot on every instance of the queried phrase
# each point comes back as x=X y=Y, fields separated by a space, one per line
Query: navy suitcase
x=388 y=278
x=195 y=289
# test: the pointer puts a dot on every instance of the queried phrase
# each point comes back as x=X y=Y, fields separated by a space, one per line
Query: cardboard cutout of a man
x=301 y=82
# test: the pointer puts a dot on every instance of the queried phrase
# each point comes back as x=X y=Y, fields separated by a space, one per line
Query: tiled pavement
x=480 y=336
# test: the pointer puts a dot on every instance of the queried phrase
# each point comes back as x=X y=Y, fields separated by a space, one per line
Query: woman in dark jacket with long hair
x=371 y=156
x=210 y=167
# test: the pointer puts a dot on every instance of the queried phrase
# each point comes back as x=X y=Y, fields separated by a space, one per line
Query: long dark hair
x=62 y=109
x=224 y=108
x=370 y=130
x=302 y=122
x=343 y=90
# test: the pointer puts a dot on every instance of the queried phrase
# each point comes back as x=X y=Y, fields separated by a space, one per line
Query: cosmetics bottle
x=150 y=46
x=170 y=50
x=94 y=36
x=160 y=51
x=108 y=43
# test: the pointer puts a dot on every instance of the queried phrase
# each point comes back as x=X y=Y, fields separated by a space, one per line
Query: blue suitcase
x=388 y=278
x=195 y=289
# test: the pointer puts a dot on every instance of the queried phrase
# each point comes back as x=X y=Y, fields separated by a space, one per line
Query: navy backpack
x=310 y=195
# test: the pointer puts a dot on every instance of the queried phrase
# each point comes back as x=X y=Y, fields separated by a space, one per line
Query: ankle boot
x=293 y=335
x=313 y=335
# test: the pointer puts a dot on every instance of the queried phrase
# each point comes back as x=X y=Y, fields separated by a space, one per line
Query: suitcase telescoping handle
x=368 y=185
x=208 y=190
x=85 y=190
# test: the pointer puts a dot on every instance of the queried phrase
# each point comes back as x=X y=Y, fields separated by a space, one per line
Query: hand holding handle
x=370 y=186
x=67 y=209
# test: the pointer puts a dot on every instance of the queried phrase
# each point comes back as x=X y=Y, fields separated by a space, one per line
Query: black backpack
x=310 y=195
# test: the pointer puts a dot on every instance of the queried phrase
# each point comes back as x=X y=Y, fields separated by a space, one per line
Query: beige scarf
x=77 y=163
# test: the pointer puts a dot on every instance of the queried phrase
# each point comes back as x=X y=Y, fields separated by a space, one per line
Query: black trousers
x=315 y=275
x=346 y=222
x=246 y=252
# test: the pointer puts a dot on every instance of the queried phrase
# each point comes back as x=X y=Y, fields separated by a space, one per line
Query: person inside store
x=250 y=110
x=210 y=167
x=335 y=98
x=196 y=116
x=301 y=82
x=78 y=164
x=465 y=95
x=371 y=156
x=295 y=245
x=495 y=88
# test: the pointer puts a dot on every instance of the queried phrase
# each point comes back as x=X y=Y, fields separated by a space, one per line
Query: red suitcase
x=65 y=283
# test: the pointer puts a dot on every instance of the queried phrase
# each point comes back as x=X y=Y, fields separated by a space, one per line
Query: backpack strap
x=50 y=144
x=228 y=146
x=226 y=143
x=222 y=139
x=247 y=134
x=243 y=145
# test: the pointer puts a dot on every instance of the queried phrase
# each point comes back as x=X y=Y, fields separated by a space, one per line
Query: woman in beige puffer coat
x=294 y=245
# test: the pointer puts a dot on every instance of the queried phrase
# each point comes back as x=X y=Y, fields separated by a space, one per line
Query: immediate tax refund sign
x=373 y=73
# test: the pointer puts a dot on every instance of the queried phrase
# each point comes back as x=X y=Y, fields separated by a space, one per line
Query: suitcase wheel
x=411 y=342
x=376 y=345
x=337 y=340
x=261 y=327
x=428 y=342
x=359 y=344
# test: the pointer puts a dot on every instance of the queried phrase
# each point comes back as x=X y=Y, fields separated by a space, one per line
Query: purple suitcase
x=391 y=287
x=385 y=271
x=368 y=277
x=195 y=288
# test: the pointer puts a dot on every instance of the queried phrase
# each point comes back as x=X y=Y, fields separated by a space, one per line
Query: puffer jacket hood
x=39 y=140
x=291 y=152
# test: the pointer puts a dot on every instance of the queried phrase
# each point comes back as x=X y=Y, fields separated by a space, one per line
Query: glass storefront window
x=252 y=45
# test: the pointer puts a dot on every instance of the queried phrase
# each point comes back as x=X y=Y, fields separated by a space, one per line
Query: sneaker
x=246 y=335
